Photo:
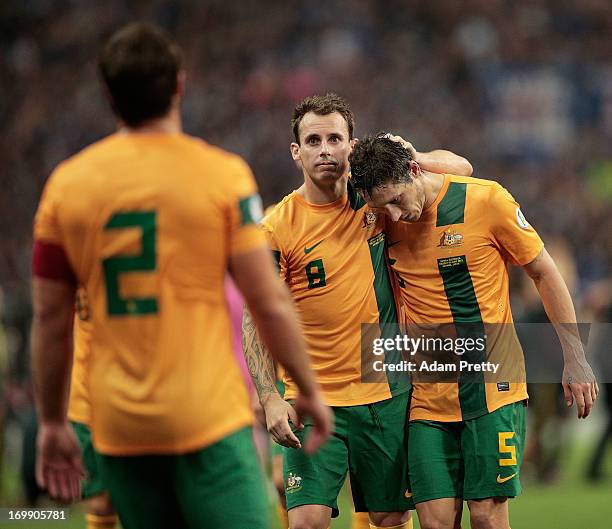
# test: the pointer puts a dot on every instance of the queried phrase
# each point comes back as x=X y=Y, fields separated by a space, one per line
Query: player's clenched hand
x=579 y=384
x=59 y=468
x=322 y=419
x=278 y=414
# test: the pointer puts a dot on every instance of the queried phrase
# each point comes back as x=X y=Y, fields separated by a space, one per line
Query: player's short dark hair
x=322 y=106
x=139 y=65
x=377 y=161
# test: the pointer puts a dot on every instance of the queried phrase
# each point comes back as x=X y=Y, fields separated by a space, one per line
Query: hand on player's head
x=406 y=144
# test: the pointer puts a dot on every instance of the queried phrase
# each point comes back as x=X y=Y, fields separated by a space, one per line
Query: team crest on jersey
x=369 y=219
x=450 y=239
x=294 y=483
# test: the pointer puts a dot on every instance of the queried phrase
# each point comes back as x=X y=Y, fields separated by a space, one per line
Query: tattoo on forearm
x=258 y=359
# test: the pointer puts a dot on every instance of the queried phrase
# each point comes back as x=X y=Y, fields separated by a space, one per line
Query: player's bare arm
x=578 y=379
x=58 y=468
x=441 y=161
x=272 y=310
x=277 y=411
x=258 y=359
x=438 y=161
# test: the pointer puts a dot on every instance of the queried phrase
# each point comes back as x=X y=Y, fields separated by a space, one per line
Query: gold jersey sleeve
x=509 y=229
x=148 y=223
x=451 y=267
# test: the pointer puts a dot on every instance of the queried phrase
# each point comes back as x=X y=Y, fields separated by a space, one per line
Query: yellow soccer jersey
x=332 y=258
x=148 y=223
x=451 y=267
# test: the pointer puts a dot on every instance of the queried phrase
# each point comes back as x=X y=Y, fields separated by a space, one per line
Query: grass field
x=570 y=503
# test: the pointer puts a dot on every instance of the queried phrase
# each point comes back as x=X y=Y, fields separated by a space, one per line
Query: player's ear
x=414 y=168
x=295 y=151
x=353 y=142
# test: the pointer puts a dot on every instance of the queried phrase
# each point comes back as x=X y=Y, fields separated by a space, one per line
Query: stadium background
x=523 y=89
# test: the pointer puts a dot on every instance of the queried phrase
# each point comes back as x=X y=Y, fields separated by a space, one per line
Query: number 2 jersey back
x=148 y=223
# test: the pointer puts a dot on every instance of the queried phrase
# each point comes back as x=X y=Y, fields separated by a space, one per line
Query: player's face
x=324 y=146
x=399 y=201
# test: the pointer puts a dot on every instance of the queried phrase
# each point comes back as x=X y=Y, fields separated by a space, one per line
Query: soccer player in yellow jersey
x=450 y=244
x=330 y=251
x=148 y=221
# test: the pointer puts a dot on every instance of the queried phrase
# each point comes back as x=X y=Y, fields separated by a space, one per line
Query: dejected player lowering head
x=389 y=178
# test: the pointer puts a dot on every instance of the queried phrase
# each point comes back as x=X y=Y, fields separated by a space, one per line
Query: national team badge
x=369 y=218
x=294 y=483
x=450 y=239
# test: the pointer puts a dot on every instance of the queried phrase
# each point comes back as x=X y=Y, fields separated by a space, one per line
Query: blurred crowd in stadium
x=522 y=89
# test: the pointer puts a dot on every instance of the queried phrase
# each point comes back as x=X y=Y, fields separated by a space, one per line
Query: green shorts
x=474 y=459
x=218 y=486
x=369 y=442
x=92 y=484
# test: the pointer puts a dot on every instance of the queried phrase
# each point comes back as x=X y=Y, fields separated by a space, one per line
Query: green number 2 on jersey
x=146 y=261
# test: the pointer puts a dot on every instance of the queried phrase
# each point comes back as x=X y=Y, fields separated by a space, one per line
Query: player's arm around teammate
x=279 y=412
x=438 y=160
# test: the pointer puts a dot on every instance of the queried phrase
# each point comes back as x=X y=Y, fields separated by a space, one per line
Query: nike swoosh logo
x=407 y=494
x=503 y=480
x=308 y=250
